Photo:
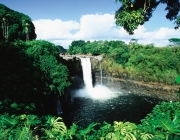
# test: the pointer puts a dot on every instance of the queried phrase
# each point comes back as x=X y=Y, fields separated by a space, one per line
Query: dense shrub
x=161 y=124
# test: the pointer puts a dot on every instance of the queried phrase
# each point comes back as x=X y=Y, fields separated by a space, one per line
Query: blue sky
x=62 y=21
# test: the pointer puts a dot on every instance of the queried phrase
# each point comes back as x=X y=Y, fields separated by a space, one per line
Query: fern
x=58 y=125
x=4 y=133
x=174 y=137
x=110 y=136
x=146 y=136
x=49 y=134
x=31 y=120
x=7 y=121
x=171 y=126
x=86 y=132
x=23 y=133
x=72 y=131
x=166 y=125
x=54 y=127
x=124 y=131
x=18 y=127
x=104 y=130
x=164 y=120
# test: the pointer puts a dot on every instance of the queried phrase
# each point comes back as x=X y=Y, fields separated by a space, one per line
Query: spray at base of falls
x=98 y=92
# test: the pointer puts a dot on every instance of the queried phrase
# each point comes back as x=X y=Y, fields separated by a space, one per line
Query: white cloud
x=98 y=27
x=159 y=37
x=52 y=29
x=95 y=26
x=65 y=43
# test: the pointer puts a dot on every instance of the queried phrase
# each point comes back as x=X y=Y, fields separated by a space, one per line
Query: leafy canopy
x=133 y=13
x=15 y=25
x=53 y=73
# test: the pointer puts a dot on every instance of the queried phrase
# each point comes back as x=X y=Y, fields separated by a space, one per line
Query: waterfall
x=87 y=76
x=98 y=92
x=100 y=72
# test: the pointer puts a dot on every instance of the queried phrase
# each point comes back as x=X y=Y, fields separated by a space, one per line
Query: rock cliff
x=157 y=90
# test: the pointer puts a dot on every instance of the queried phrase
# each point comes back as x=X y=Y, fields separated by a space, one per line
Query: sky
x=62 y=21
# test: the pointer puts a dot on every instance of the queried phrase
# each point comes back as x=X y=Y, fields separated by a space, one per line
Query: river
x=124 y=107
x=99 y=104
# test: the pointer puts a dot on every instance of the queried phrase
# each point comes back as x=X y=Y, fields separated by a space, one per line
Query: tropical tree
x=4 y=28
x=15 y=25
x=133 y=13
x=76 y=46
x=133 y=41
x=175 y=41
x=120 y=53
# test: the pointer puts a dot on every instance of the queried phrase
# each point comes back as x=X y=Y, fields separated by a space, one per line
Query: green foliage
x=123 y=131
x=120 y=53
x=133 y=41
x=99 y=47
x=15 y=25
x=140 y=62
x=178 y=79
x=130 y=20
x=54 y=75
x=162 y=124
x=175 y=41
x=53 y=127
x=61 y=49
x=164 y=121
x=31 y=127
x=18 y=127
x=76 y=47
x=136 y=12
x=152 y=64
x=29 y=70
x=12 y=107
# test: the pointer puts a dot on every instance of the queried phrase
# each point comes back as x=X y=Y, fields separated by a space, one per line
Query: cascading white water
x=98 y=92
x=87 y=76
x=100 y=72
